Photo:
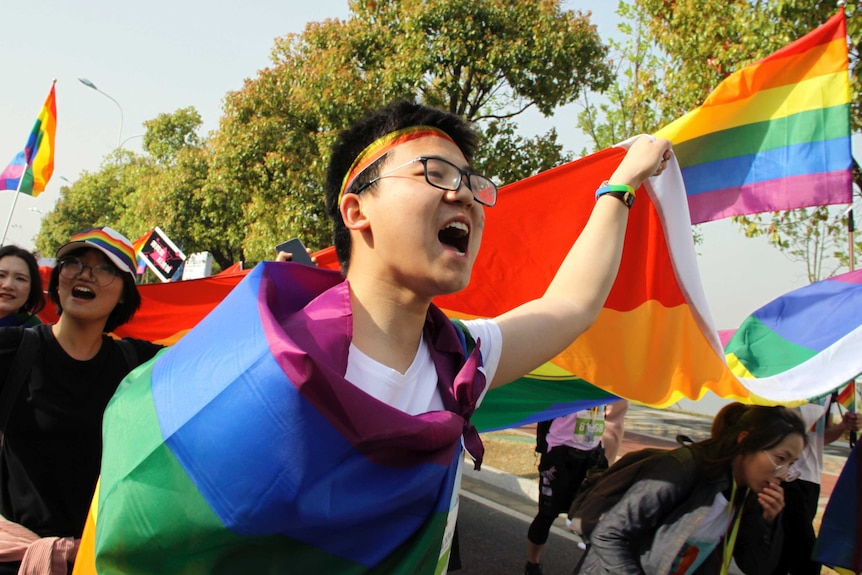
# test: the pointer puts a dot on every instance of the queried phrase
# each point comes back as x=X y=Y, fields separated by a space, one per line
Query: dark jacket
x=646 y=530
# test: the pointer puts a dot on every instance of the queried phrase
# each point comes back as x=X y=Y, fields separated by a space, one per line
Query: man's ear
x=352 y=213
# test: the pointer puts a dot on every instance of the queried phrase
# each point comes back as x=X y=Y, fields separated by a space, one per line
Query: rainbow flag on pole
x=31 y=169
x=847 y=396
x=774 y=135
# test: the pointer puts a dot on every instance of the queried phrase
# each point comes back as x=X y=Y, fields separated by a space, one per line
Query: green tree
x=487 y=60
x=132 y=192
x=95 y=199
x=167 y=134
x=632 y=104
x=259 y=178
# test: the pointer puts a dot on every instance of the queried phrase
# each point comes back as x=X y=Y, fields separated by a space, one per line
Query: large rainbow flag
x=163 y=505
x=774 y=135
x=31 y=168
x=179 y=484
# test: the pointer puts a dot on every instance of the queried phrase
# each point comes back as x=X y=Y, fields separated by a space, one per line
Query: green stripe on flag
x=508 y=405
x=811 y=126
x=763 y=352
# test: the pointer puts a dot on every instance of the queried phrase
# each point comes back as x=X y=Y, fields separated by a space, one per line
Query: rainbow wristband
x=623 y=192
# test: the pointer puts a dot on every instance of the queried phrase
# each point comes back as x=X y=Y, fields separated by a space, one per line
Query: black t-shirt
x=52 y=450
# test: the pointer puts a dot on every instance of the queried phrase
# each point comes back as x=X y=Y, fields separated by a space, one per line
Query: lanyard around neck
x=730 y=540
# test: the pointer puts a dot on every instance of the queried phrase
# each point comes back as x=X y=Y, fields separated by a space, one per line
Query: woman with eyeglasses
x=55 y=381
x=693 y=509
x=20 y=288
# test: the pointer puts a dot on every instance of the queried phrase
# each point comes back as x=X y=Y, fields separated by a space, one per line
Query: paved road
x=492 y=527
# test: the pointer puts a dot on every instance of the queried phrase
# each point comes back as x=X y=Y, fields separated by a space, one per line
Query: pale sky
x=156 y=57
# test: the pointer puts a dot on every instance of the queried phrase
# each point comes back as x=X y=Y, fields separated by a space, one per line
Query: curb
x=521 y=486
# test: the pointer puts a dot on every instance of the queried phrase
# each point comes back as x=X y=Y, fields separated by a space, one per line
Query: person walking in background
x=55 y=381
x=683 y=511
x=612 y=437
x=21 y=296
x=802 y=497
x=572 y=447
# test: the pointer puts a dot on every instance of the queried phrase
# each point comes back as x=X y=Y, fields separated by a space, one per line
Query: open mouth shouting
x=83 y=292
x=455 y=235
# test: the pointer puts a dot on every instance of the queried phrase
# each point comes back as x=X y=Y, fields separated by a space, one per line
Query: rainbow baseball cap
x=113 y=244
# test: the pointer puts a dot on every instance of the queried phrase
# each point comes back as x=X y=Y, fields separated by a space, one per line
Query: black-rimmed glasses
x=71 y=268
x=445 y=175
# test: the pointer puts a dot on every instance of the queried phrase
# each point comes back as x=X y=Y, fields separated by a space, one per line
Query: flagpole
x=12 y=211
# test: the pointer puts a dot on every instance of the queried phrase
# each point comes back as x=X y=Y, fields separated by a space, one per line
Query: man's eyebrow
x=466 y=166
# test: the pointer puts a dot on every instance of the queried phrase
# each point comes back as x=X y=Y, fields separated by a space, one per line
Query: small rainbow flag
x=847 y=396
x=138 y=244
x=774 y=135
x=31 y=169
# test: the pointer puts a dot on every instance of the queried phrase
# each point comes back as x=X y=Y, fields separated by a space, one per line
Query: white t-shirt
x=581 y=430
x=415 y=391
x=704 y=538
x=810 y=463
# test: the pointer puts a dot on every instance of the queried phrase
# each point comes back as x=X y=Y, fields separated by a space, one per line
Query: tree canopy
x=258 y=179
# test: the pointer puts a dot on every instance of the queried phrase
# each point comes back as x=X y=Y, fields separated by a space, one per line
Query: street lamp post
x=89 y=84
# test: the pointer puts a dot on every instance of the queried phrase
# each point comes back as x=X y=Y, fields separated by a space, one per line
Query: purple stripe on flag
x=774 y=195
x=854 y=277
x=12 y=174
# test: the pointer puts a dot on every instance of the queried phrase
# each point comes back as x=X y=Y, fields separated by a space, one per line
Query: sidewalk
x=510 y=460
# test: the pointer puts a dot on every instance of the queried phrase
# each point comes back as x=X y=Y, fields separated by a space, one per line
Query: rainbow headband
x=379 y=147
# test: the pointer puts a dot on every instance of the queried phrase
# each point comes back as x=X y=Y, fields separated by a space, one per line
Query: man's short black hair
x=351 y=142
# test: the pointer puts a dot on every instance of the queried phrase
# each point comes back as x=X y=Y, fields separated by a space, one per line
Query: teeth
x=458 y=226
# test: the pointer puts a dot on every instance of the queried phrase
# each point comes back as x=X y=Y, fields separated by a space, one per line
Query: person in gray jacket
x=693 y=509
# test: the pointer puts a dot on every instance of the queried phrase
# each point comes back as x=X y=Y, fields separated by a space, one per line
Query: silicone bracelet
x=623 y=192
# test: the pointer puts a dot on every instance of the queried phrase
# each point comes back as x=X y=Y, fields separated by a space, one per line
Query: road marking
x=565 y=533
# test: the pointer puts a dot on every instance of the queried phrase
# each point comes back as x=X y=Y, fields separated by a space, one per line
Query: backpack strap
x=18 y=372
x=130 y=354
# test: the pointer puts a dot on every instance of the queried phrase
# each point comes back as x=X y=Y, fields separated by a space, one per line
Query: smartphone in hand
x=296 y=249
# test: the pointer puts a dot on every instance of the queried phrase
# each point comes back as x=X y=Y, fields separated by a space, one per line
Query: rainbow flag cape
x=774 y=135
x=839 y=542
x=255 y=455
x=31 y=169
x=803 y=344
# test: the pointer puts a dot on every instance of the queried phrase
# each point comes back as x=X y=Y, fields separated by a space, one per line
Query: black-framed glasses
x=103 y=275
x=445 y=175
x=783 y=471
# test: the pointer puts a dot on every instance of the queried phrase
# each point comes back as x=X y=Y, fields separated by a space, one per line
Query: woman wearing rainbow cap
x=55 y=381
